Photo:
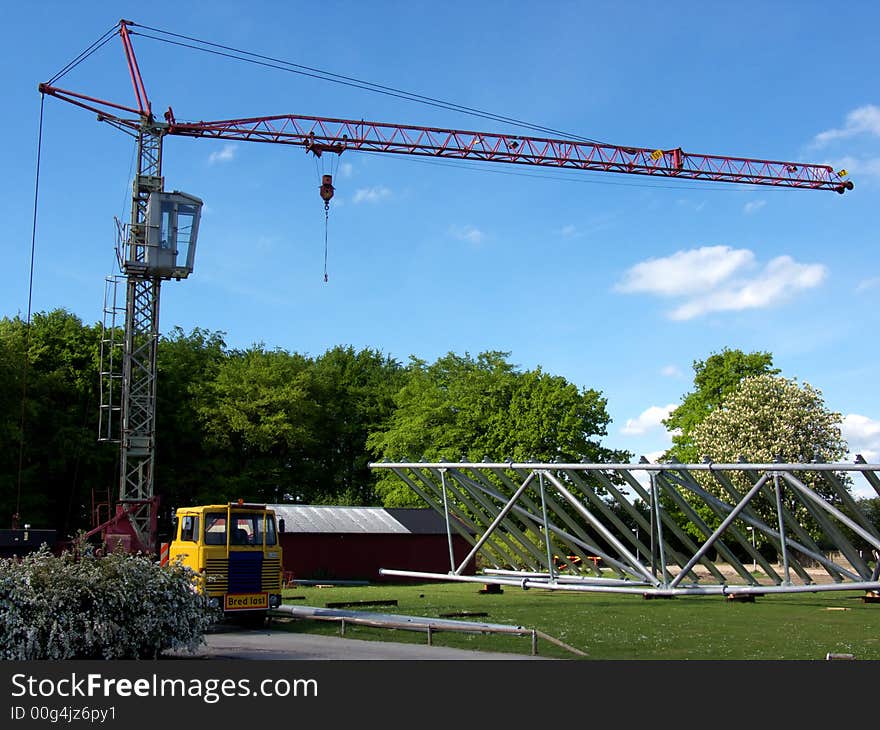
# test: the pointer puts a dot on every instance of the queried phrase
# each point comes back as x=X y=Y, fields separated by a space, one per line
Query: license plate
x=245 y=601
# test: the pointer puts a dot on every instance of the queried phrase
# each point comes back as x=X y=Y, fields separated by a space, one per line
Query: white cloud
x=587 y=228
x=862 y=435
x=864 y=120
x=869 y=167
x=671 y=371
x=753 y=206
x=713 y=279
x=644 y=477
x=696 y=206
x=346 y=169
x=868 y=284
x=468 y=233
x=648 y=420
x=780 y=279
x=372 y=195
x=224 y=154
x=266 y=243
x=685 y=272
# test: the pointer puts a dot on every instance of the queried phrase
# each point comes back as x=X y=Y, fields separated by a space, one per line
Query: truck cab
x=235 y=550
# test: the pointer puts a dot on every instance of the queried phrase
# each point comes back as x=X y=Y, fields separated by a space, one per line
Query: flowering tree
x=769 y=418
x=715 y=378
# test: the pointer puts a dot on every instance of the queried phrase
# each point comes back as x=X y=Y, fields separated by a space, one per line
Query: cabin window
x=215 y=528
x=189 y=528
x=270 y=530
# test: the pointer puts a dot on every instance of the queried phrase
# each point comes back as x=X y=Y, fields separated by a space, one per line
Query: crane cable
x=326 y=190
x=291 y=67
x=84 y=54
x=282 y=65
x=326 y=227
x=27 y=341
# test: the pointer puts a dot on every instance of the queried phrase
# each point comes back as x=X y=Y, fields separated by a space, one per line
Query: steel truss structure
x=139 y=353
x=319 y=134
x=628 y=528
x=129 y=416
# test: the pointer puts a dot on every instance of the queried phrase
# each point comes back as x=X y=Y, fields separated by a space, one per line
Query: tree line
x=267 y=425
x=264 y=424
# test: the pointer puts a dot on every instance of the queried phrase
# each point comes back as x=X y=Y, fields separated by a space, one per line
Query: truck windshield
x=215 y=528
x=247 y=528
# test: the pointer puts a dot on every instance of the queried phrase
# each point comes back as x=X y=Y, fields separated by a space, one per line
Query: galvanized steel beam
x=523 y=511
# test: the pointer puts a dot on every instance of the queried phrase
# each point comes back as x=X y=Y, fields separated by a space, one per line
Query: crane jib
x=319 y=135
x=338 y=135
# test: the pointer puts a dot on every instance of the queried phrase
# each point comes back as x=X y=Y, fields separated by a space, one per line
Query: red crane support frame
x=134 y=71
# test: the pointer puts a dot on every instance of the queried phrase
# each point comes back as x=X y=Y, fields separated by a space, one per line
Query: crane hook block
x=327 y=188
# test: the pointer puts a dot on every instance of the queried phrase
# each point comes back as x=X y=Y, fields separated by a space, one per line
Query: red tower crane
x=132 y=414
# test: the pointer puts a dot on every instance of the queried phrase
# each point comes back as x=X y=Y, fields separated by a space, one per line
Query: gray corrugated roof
x=372 y=520
x=419 y=521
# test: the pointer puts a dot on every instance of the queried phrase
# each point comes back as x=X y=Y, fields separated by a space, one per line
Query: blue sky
x=615 y=282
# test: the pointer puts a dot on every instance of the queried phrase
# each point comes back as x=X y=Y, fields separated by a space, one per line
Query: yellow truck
x=235 y=550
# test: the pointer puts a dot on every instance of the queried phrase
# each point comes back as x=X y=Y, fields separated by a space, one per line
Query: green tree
x=259 y=409
x=12 y=366
x=870 y=507
x=714 y=379
x=355 y=392
x=468 y=408
x=281 y=426
x=186 y=462
x=49 y=417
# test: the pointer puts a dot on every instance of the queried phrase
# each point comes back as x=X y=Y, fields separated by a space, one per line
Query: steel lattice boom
x=617 y=533
x=320 y=134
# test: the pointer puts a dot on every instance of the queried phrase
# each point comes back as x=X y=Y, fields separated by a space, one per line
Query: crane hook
x=326 y=191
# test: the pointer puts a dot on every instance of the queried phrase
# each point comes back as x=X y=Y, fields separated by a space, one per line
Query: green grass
x=803 y=626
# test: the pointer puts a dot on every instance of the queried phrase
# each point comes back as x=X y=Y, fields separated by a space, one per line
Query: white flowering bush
x=78 y=606
x=768 y=418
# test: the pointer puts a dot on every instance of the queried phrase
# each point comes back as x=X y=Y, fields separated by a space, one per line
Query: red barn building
x=353 y=543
